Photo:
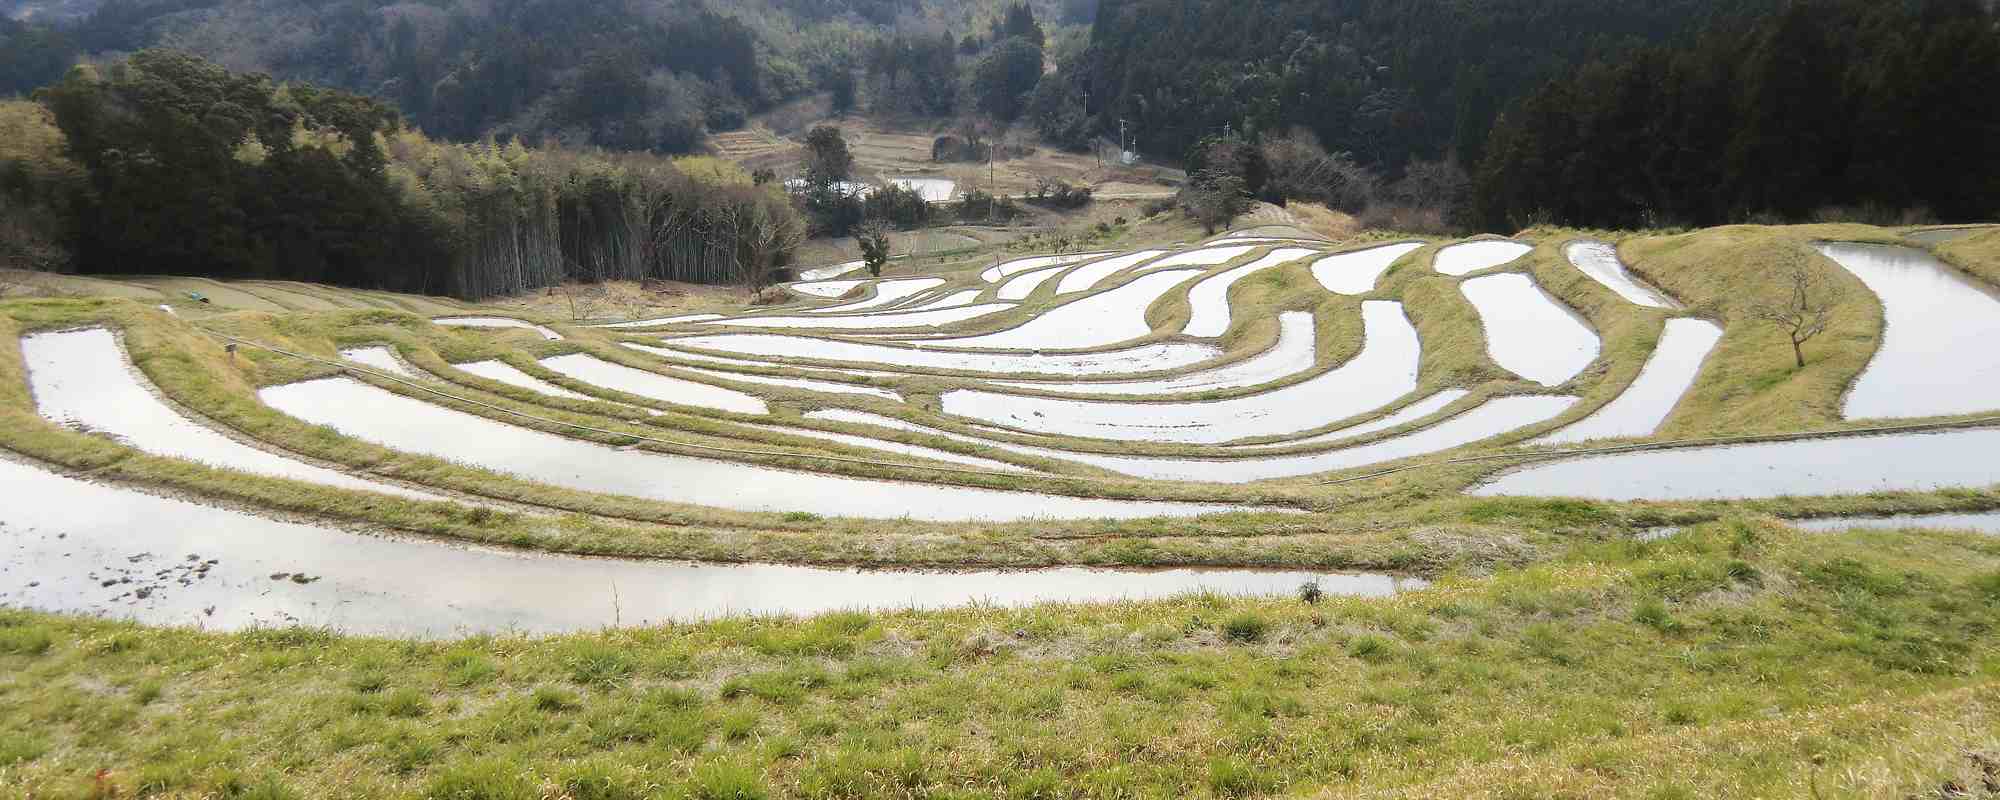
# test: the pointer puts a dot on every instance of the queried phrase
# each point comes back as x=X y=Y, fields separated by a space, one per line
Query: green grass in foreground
x=1736 y=660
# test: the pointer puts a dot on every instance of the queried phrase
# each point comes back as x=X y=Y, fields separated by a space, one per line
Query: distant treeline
x=1848 y=108
x=1385 y=81
x=620 y=75
x=165 y=163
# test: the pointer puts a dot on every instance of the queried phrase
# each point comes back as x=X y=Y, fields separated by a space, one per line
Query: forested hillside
x=639 y=74
x=165 y=163
x=1385 y=80
x=1889 y=106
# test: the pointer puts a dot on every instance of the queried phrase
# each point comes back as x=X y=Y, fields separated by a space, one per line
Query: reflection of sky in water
x=370 y=584
x=1845 y=465
x=1939 y=330
x=413 y=426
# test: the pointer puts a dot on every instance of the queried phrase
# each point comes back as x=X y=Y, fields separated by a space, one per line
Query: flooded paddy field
x=73 y=549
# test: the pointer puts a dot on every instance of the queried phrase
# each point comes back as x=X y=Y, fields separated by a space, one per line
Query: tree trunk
x=1799 y=353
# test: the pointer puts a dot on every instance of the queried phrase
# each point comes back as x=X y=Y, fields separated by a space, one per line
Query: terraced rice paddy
x=1938 y=356
x=1357 y=273
x=61 y=543
x=1528 y=332
x=1074 y=390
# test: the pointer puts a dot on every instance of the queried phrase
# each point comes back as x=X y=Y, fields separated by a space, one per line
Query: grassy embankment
x=1737 y=660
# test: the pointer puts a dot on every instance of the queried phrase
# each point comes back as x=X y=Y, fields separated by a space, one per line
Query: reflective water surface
x=1938 y=354
x=1292 y=355
x=1842 y=465
x=631 y=380
x=1470 y=257
x=1098 y=320
x=1676 y=361
x=81 y=380
x=1600 y=261
x=1385 y=369
x=1529 y=332
x=392 y=420
x=170 y=562
x=1208 y=301
x=1357 y=272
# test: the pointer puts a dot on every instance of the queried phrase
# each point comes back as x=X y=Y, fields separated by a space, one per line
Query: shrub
x=1232 y=777
x=1310 y=591
x=552 y=698
x=406 y=702
x=597 y=779
x=16 y=747
x=1368 y=648
x=595 y=663
x=1059 y=194
x=464 y=668
x=1652 y=613
x=721 y=780
x=32 y=640
x=483 y=779
x=1245 y=627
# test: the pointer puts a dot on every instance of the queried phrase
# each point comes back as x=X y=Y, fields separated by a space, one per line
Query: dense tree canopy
x=166 y=163
x=588 y=72
x=1829 y=103
x=1385 y=80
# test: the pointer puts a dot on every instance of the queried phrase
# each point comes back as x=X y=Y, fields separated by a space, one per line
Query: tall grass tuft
x=1247 y=627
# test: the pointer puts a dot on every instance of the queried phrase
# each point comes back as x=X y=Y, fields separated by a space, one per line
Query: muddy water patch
x=1638 y=411
x=1293 y=354
x=91 y=549
x=1600 y=261
x=1529 y=332
x=1385 y=369
x=1938 y=355
x=631 y=380
x=496 y=322
x=1357 y=272
x=1836 y=465
x=398 y=422
x=1208 y=301
x=81 y=380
